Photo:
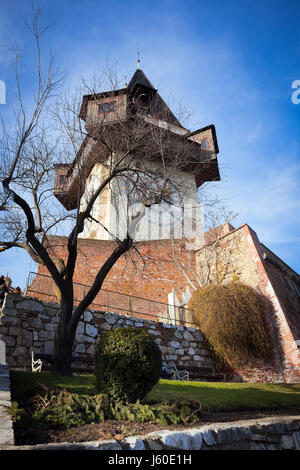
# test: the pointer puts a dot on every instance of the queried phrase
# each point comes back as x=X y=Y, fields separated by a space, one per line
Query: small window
x=62 y=179
x=204 y=144
x=104 y=108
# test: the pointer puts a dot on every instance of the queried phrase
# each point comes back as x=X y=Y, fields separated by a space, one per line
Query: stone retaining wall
x=6 y=424
x=264 y=434
x=27 y=323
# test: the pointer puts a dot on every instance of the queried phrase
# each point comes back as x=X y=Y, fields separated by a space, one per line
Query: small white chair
x=36 y=364
x=180 y=375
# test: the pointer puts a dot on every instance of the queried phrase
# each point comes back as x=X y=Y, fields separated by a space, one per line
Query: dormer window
x=104 y=108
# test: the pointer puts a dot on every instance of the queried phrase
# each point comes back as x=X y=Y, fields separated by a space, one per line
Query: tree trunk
x=68 y=321
x=62 y=360
x=63 y=342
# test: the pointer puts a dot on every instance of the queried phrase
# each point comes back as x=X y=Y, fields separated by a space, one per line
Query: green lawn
x=213 y=396
x=216 y=396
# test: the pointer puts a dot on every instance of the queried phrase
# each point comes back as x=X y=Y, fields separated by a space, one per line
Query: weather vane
x=138 y=59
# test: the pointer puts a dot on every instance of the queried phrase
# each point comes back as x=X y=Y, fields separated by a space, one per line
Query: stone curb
x=264 y=434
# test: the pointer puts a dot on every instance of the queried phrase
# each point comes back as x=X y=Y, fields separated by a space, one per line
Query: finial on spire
x=138 y=59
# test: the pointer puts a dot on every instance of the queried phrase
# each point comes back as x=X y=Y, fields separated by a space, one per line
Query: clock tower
x=140 y=106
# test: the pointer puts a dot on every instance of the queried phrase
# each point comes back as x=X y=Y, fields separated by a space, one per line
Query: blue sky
x=231 y=63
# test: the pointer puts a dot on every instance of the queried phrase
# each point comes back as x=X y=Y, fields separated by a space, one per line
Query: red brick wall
x=281 y=278
x=276 y=290
x=249 y=262
x=148 y=270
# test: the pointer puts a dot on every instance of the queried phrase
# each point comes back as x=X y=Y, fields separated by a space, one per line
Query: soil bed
x=118 y=430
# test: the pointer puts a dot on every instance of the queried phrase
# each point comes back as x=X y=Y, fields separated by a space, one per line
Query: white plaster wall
x=160 y=221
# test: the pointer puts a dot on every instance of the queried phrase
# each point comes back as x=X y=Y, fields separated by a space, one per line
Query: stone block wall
x=27 y=324
x=6 y=422
x=278 y=433
x=264 y=434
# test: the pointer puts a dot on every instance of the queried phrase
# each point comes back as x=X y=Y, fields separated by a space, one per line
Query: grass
x=84 y=384
x=221 y=396
x=214 y=396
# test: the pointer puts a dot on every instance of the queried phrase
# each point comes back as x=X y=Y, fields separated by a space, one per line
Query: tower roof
x=139 y=78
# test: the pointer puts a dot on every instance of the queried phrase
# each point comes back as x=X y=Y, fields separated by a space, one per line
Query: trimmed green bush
x=128 y=364
x=231 y=317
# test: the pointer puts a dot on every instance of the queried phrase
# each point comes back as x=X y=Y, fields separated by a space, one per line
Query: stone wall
x=6 y=423
x=265 y=434
x=278 y=433
x=27 y=324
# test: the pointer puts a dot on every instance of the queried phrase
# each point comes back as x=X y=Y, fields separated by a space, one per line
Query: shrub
x=127 y=364
x=231 y=318
x=24 y=387
x=63 y=409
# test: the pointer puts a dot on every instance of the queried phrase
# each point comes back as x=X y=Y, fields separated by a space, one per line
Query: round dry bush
x=231 y=317
x=128 y=364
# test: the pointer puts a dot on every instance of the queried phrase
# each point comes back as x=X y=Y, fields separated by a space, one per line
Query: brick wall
x=149 y=270
x=240 y=255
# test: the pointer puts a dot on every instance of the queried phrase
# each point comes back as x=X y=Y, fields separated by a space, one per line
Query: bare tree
x=143 y=155
x=202 y=260
x=212 y=264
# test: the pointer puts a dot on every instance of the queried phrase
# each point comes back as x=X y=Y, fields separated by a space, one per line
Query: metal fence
x=42 y=287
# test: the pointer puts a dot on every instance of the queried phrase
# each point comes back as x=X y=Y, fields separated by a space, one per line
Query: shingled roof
x=139 y=78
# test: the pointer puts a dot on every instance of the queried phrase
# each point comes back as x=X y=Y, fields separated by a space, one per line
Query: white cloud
x=268 y=201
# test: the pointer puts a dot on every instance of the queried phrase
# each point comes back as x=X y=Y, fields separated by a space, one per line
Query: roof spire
x=138 y=59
